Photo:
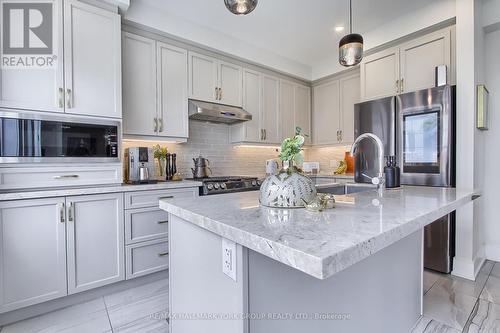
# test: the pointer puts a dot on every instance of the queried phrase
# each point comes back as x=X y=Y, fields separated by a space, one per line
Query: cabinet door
x=303 y=110
x=420 y=57
x=139 y=85
x=32 y=252
x=95 y=241
x=37 y=89
x=172 y=91
x=252 y=102
x=349 y=95
x=230 y=84
x=270 y=109
x=380 y=74
x=202 y=77
x=92 y=53
x=326 y=115
x=287 y=109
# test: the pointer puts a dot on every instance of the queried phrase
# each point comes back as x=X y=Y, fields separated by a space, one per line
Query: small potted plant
x=289 y=188
x=160 y=154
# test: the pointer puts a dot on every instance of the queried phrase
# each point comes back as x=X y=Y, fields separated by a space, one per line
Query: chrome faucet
x=380 y=179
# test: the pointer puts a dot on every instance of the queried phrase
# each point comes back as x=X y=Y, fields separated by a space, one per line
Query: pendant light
x=350 y=46
x=241 y=7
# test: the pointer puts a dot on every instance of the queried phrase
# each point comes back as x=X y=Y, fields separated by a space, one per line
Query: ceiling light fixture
x=241 y=7
x=350 y=46
x=339 y=28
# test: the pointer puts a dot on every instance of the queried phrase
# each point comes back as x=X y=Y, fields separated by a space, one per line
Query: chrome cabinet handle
x=163 y=222
x=402 y=85
x=161 y=124
x=216 y=93
x=167 y=197
x=397 y=86
x=156 y=124
x=66 y=176
x=69 y=98
x=60 y=98
x=265 y=134
x=162 y=254
x=71 y=212
x=261 y=134
x=220 y=94
x=61 y=213
x=341 y=136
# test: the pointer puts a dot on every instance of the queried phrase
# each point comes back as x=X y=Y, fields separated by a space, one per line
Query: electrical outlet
x=229 y=258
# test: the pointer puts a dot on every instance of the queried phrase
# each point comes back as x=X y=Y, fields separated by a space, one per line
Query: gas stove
x=219 y=185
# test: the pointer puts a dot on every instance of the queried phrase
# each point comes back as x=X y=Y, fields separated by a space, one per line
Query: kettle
x=201 y=168
x=143 y=174
x=272 y=167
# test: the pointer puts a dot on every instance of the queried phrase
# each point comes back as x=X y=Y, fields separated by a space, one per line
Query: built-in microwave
x=27 y=137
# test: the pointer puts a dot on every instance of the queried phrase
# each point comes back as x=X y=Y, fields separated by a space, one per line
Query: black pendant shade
x=241 y=7
x=350 y=46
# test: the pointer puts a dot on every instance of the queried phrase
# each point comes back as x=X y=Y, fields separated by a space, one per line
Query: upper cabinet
x=302 y=106
x=407 y=67
x=295 y=109
x=270 y=119
x=86 y=76
x=333 y=113
x=215 y=81
x=155 y=88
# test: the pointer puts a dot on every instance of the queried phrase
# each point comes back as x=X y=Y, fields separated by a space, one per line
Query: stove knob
x=223 y=185
x=254 y=183
x=210 y=187
x=259 y=182
x=216 y=186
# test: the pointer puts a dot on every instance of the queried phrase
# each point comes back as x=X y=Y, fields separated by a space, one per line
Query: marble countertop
x=332 y=176
x=321 y=244
x=93 y=189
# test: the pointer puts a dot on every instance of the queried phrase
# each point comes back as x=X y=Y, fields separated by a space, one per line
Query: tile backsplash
x=226 y=159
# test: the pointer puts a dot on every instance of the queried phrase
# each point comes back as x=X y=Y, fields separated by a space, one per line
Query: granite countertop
x=321 y=244
x=93 y=189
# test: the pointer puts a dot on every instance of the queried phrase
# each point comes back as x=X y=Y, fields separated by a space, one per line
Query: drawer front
x=146 y=258
x=143 y=199
x=144 y=224
x=57 y=176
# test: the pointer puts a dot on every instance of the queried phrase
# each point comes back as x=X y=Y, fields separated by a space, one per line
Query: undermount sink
x=348 y=188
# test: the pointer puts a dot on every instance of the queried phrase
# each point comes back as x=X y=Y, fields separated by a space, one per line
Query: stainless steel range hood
x=217 y=113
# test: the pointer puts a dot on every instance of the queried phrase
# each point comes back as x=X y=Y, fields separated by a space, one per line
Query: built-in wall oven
x=27 y=137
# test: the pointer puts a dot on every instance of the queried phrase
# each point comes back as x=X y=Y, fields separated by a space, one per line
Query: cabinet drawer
x=146 y=258
x=143 y=199
x=57 y=176
x=144 y=224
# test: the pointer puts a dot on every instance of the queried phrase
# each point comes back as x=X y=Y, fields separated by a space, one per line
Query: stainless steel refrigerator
x=419 y=129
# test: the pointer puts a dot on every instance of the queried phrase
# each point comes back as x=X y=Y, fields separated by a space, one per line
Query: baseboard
x=56 y=304
x=492 y=252
x=469 y=268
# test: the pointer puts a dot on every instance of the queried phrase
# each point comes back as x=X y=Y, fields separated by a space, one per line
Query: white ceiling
x=300 y=30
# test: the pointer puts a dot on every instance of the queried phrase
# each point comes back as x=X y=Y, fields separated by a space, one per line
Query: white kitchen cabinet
x=203 y=79
x=172 y=92
x=303 y=110
x=95 y=241
x=230 y=84
x=420 y=57
x=349 y=95
x=155 y=88
x=215 y=81
x=86 y=78
x=287 y=109
x=407 y=67
x=250 y=131
x=333 y=114
x=326 y=114
x=139 y=85
x=270 y=120
x=32 y=252
x=380 y=74
x=92 y=60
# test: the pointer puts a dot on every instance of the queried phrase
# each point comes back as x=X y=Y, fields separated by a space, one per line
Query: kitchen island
x=354 y=268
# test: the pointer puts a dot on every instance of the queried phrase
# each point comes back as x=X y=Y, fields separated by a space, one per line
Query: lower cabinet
x=32 y=252
x=95 y=241
x=146 y=258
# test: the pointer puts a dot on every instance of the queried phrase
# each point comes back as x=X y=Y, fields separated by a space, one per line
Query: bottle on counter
x=392 y=173
x=168 y=169
x=174 y=164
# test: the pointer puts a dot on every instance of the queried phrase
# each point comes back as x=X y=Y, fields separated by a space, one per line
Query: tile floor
x=455 y=305
x=141 y=309
x=451 y=305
